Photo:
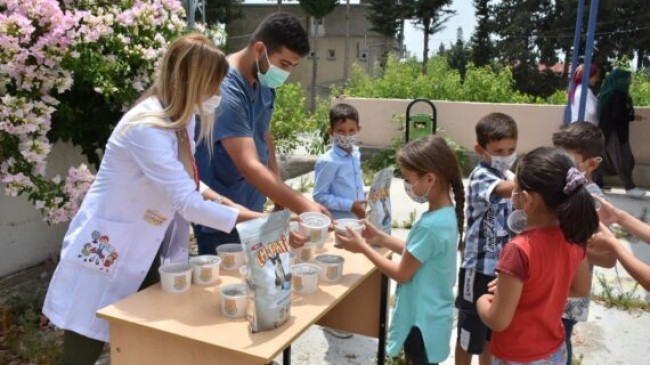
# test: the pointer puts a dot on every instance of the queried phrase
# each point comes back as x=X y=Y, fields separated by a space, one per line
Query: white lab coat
x=113 y=239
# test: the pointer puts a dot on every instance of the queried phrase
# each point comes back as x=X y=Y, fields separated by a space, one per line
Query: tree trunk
x=279 y=5
x=425 y=55
x=640 y=55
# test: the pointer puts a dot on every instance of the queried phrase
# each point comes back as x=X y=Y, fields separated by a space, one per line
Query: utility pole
x=346 y=51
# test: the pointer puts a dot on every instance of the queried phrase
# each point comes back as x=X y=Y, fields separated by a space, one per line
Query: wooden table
x=154 y=327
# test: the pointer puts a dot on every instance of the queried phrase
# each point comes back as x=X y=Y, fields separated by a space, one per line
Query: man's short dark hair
x=582 y=137
x=341 y=112
x=495 y=127
x=282 y=29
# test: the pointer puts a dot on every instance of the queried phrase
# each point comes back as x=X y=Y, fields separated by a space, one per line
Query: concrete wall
x=536 y=124
x=25 y=239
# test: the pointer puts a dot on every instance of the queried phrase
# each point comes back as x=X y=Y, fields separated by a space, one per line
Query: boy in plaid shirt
x=488 y=206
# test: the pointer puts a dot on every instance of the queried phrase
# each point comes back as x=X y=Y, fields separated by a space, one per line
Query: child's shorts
x=559 y=357
x=472 y=332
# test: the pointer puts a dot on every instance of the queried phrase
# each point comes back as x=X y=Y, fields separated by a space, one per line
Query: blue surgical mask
x=274 y=76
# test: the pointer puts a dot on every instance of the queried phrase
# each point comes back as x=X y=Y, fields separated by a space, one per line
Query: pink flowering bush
x=68 y=70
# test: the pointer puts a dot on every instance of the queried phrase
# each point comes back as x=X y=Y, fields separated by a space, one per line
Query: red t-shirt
x=546 y=263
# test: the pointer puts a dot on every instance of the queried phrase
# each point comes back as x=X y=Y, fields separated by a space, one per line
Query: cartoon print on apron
x=98 y=251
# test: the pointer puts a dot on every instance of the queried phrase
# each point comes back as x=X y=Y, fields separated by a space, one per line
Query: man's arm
x=243 y=153
x=273 y=162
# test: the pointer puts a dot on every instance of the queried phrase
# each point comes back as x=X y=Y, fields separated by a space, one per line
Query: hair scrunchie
x=574 y=179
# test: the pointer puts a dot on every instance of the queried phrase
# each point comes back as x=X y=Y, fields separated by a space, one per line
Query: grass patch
x=24 y=332
x=613 y=296
x=408 y=222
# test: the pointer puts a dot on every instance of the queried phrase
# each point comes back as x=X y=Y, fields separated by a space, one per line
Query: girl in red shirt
x=544 y=264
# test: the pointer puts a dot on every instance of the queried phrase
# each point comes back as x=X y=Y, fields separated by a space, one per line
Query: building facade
x=365 y=47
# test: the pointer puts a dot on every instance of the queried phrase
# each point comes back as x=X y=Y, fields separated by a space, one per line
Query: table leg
x=286 y=356
x=383 y=312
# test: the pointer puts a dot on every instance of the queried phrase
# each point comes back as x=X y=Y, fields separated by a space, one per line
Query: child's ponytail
x=577 y=214
x=459 y=199
x=550 y=172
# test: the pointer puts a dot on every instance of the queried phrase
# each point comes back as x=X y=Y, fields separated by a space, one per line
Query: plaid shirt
x=486 y=212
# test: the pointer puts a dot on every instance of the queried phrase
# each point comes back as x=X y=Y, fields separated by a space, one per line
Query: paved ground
x=611 y=336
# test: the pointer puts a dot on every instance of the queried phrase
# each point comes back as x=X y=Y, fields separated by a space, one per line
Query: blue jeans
x=568 y=328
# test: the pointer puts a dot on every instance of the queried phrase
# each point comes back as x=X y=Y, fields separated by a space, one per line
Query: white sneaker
x=635 y=193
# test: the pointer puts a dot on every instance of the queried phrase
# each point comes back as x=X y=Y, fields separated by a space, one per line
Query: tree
x=222 y=11
x=480 y=42
x=384 y=21
x=317 y=9
x=430 y=16
x=524 y=29
x=459 y=54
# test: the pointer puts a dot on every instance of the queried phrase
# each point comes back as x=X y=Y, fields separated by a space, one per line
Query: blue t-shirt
x=427 y=300
x=244 y=112
x=338 y=182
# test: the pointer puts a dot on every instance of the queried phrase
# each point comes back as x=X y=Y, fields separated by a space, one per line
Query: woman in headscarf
x=616 y=112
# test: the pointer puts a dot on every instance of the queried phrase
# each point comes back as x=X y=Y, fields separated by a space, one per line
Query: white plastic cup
x=243 y=271
x=306 y=252
x=232 y=256
x=175 y=277
x=233 y=300
x=331 y=267
x=304 y=278
x=340 y=227
x=205 y=269
x=315 y=226
x=293 y=256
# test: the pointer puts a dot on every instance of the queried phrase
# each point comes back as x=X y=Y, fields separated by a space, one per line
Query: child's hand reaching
x=372 y=234
x=607 y=213
x=354 y=243
x=296 y=240
x=604 y=239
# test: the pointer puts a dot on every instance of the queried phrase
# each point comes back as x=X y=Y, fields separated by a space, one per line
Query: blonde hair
x=192 y=68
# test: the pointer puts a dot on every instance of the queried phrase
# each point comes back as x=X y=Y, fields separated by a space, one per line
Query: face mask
x=274 y=76
x=345 y=141
x=408 y=187
x=209 y=105
x=503 y=163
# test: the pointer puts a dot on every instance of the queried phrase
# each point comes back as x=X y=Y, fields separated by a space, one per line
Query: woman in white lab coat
x=147 y=176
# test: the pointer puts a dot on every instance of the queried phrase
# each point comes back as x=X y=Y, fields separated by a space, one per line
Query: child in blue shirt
x=423 y=313
x=339 y=184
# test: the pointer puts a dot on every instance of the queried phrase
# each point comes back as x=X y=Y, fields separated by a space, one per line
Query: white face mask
x=345 y=141
x=209 y=105
x=502 y=163
x=408 y=187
